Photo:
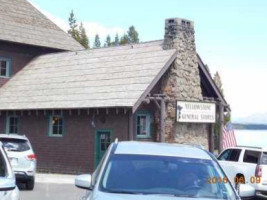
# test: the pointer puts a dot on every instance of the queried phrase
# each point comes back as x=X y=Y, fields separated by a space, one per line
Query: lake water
x=256 y=138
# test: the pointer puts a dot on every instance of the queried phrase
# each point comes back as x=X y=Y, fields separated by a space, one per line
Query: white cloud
x=92 y=28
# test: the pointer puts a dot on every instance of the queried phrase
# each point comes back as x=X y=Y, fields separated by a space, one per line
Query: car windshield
x=162 y=175
x=15 y=144
x=3 y=167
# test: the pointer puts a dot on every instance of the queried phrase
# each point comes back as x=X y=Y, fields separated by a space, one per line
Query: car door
x=250 y=161
x=228 y=159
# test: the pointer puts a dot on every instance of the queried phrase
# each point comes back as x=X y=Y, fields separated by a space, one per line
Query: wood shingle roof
x=105 y=77
x=21 y=22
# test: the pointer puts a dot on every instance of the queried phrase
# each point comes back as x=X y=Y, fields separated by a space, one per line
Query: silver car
x=22 y=158
x=8 y=188
x=145 y=171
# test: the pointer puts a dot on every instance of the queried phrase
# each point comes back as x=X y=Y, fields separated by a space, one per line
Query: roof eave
x=211 y=81
x=155 y=81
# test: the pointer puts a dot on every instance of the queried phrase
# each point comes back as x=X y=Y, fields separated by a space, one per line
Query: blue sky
x=231 y=36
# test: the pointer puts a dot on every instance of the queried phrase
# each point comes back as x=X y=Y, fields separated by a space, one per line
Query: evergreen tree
x=124 y=40
x=218 y=81
x=97 y=43
x=83 y=37
x=108 y=41
x=133 y=35
x=73 y=31
x=116 y=41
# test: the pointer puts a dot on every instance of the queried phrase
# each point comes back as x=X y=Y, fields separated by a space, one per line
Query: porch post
x=221 y=124
x=131 y=127
x=162 y=119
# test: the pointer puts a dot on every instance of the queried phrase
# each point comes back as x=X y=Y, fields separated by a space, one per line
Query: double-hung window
x=12 y=125
x=5 y=65
x=56 y=126
x=143 y=125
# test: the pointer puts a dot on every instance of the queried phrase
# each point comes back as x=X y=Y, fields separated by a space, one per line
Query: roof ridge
x=92 y=49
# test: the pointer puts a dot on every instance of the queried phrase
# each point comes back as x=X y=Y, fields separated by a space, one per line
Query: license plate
x=13 y=161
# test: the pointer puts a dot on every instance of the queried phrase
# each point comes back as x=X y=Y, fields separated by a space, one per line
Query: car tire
x=30 y=184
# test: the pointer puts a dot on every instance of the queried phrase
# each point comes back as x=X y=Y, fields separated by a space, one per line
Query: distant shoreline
x=250 y=126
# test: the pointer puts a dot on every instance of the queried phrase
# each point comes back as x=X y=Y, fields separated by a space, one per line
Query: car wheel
x=30 y=184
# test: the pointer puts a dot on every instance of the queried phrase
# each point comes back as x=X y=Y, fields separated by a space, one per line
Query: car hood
x=109 y=196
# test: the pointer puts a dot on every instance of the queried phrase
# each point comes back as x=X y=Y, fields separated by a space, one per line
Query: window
x=143 y=125
x=56 y=126
x=12 y=124
x=230 y=155
x=264 y=158
x=4 y=67
x=251 y=156
x=16 y=145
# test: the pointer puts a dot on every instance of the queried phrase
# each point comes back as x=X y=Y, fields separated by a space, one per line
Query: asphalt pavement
x=52 y=187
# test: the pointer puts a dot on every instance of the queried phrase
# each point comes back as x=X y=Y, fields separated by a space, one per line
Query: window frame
x=248 y=151
x=8 y=67
x=150 y=128
x=50 y=126
x=8 y=124
x=230 y=154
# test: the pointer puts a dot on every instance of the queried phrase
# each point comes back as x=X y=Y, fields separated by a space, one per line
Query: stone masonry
x=182 y=82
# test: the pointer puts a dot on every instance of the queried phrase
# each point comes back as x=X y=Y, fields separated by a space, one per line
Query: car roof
x=13 y=136
x=249 y=148
x=161 y=149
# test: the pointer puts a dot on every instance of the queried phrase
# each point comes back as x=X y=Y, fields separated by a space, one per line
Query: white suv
x=8 y=188
x=21 y=157
x=246 y=165
x=158 y=171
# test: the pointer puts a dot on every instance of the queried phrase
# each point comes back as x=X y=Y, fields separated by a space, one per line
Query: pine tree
x=124 y=39
x=218 y=81
x=108 y=41
x=83 y=37
x=97 y=43
x=73 y=31
x=133 y=35
x=116 y=41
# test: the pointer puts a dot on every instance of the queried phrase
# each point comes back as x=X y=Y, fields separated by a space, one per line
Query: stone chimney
x=182 y=82
x=180 y=35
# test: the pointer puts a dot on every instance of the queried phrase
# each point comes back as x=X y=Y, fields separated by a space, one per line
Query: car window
x=3 y=167
x=15 y=144
x=251 y=156
x=264 y=158
x=230 y=155
x=180 y=177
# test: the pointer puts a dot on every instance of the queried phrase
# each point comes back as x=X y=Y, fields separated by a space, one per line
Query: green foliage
x=117 y=40
x=83 y=37
x=133 y=35
x=97 y=43
x=108 y=41
x=73 y=31
x=218 y=81
x=124 y=40
x=79 y=34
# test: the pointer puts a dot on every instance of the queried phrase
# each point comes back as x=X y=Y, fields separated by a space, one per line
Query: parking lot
x=49 y=187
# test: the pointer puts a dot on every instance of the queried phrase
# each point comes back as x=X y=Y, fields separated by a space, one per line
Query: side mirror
x=7 y=184
x=246 y=190
x=84 y=181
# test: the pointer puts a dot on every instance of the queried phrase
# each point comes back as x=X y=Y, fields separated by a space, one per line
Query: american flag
x=228 y=136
